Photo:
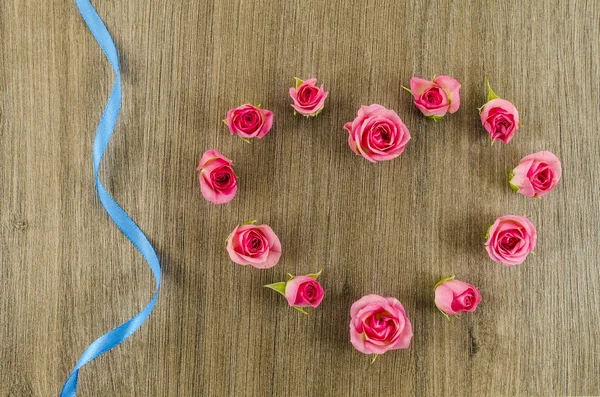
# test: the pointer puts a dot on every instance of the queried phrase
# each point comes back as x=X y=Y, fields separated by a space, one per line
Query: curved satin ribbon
x=117 y=214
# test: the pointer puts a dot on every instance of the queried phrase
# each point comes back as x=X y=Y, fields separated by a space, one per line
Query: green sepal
x=435 y=118
x=300 y=310
x=445 y=315
x=513 y=187
x=279 y=287
x=245 y=140
x=491 y=94
x=318 y=112
x=487 y=232
x=298 y=82
x=407 y=89
x=443 y=280
x=375 y=356
x=290 y=277
x=250 y=222
x=315 y=275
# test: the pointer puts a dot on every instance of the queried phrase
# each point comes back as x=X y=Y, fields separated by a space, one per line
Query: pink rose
x=435 y=98
x=510 y=239
x=536 y=174
x=309 y=99
x=254 y=245
x=377 y=133
x=249 y=121
x=379 y=324
x=302 y=291
x=218 y=183
x=455 y=296
x=499 y=117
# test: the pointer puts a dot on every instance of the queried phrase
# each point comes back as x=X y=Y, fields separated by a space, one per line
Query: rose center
x=504 y=125
x=510 y=242
x=381 y=136
x=468 y=301
x=433 y=96
x=248 y=120
x=310 y=291
x=223 y=178
x=307 y=95
x=256 y=243
x=543 y=178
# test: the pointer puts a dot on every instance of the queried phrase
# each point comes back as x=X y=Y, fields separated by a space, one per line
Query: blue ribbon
x=117 y=214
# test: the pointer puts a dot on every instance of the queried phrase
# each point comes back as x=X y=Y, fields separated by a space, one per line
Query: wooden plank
x=394 y=228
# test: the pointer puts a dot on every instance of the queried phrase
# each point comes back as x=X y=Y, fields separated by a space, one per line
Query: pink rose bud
x=510 y=239
x=499 y=117
x=249 y=121
x=455 y=296
x=309 y=99
x=218 y=183
x=300 y=291
x=379 y=324
x=536 y=174
x=435 y=98
x=377 y=133
x=254 y=245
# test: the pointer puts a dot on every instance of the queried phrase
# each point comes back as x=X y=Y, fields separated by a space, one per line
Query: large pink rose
x=377 y=133
x=436 y=98
x=302 y=291
x=536 y=174
x=254 y=245
x=455 y=296
x=218 y=183
x=510 y=239
x=309 y=99
x=379 y=324
x=249 y=121
x=500 y=119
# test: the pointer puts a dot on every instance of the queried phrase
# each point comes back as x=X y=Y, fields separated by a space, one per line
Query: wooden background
x=393 y=228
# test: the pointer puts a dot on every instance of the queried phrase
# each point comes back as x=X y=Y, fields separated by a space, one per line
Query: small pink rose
x=499 y=117
x=218 y=183
x=309 y=99
x=249 y=121
x=510 y=239
x=435 y=98
x=379 y=324
x=536 y=175
x=455 y=296
x=377 y=133
x=302 y=291
x=254 y=245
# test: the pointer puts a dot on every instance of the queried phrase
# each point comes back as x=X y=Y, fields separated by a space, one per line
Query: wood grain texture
x=394 y=228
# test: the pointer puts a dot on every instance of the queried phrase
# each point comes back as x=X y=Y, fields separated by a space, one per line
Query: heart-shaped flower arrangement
x=379 y=324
